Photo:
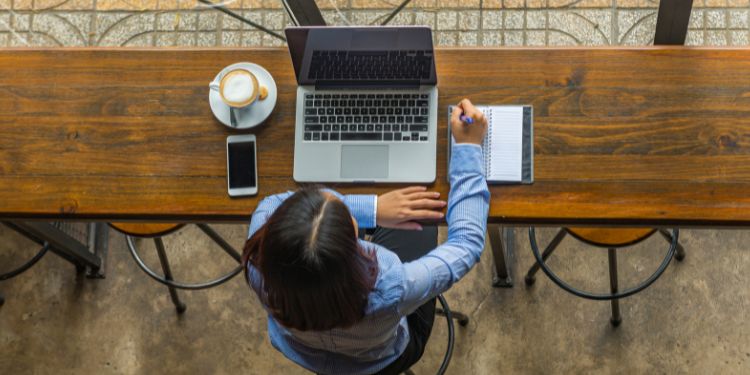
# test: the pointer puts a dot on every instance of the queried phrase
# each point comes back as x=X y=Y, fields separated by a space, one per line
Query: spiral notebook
x=509 y=144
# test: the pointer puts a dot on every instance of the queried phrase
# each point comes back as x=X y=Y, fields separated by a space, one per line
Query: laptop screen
x=362 y=56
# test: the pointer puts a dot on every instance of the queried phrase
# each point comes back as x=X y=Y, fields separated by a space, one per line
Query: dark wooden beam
x=304 y=12
x=672 y=22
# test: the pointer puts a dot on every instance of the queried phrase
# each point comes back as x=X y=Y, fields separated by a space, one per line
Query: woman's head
x=315 y=275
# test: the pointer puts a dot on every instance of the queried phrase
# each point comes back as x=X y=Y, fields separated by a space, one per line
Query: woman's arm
x=362 y=207
x=468 y=205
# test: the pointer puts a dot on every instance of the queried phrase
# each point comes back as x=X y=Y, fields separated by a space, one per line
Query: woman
x=340 y=305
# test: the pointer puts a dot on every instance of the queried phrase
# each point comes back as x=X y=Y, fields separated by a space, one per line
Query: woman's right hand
x=402 y=208
x=468 y=133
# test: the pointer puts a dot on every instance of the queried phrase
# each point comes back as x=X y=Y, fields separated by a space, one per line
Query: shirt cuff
x=466 y=158
x=363 y=208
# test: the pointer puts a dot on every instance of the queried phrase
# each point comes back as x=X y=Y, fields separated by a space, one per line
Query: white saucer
x=254 y=114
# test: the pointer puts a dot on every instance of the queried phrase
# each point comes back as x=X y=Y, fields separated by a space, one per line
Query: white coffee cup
x=239 y=88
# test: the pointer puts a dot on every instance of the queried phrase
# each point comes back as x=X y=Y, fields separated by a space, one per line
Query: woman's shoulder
x=388 y=288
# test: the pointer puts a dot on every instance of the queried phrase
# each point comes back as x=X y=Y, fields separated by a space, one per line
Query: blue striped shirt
x=382 y=335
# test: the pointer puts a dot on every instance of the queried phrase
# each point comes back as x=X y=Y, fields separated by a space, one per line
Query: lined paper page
x=506 y=139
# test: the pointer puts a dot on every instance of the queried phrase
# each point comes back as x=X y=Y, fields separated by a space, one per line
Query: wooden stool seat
x=611 y=237
x=155 y=231
x=146 y=229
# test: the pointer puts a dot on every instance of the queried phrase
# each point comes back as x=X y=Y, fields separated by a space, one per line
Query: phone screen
x=241 y=164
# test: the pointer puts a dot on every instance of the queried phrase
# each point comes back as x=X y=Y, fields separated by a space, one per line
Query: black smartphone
x=242 y=171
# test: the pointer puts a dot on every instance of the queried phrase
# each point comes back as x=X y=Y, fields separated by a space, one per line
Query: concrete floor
x=693 y=320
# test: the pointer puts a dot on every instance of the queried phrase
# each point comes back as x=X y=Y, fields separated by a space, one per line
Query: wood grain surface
x=648 y=136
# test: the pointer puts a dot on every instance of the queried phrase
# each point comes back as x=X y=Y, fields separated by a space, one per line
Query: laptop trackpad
x=364 y=162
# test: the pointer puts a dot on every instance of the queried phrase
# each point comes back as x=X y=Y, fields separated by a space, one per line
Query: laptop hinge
x=338 y=85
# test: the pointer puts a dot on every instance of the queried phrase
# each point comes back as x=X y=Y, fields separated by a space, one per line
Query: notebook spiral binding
x=487 y=145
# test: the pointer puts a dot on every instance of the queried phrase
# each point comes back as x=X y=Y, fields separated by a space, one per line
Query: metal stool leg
x=679 y=250
x=530 y=278
x=616 y=318
x=501 y=247
x=221 y=242
x=168 y=275
x=460 y=317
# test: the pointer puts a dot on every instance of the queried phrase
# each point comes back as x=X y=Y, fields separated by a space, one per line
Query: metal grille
x=80 y=232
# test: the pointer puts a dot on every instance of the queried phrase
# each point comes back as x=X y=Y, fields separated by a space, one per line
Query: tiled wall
x=456 y=22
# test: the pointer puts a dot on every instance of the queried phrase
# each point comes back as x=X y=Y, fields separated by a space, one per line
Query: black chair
x=156 y=232
x=612 y=239
x=449 y=315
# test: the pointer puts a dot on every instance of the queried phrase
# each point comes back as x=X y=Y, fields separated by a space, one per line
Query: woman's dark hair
x=315 y=275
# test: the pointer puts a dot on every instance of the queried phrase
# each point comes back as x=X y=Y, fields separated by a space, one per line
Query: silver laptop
x=366 y=104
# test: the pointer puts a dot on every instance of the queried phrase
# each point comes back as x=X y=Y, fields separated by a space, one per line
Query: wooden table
x=646 y=136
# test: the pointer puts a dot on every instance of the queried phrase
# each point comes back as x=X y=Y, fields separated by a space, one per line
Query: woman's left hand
x=400 y=209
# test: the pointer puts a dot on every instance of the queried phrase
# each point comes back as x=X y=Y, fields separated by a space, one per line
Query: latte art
x=238 y=88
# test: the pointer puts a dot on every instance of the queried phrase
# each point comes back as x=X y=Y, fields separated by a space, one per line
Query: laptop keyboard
x=370 y=65
x=402 y=117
